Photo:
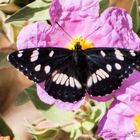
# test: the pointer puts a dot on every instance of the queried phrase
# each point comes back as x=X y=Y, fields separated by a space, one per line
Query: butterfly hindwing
x=64 y=83
x=107 y=67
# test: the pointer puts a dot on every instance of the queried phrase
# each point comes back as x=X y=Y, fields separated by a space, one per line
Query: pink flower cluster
x=113 y=28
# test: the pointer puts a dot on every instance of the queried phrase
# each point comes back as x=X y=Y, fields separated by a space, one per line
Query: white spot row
x=62 y=79
x=46 y=68
x=97 y=76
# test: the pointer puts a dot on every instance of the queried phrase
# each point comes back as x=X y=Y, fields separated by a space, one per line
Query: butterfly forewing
x=107 y=67
x=38 y=63
x=55 y=66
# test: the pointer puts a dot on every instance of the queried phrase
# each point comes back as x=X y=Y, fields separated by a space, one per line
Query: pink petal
x=130 y=92
x=77 y=17
x=33 y=35
x=40 y=34
x=43 y=95
x=117 y=123
x=115 y=30
x=73 y=10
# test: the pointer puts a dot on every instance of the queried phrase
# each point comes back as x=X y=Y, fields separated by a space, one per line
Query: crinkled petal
x=43 y=95
x=40 y=34
x=73 y=10
x=33 y=35
x=117 y=123
x=131 y=92
x=77 y=17
x=115 y=30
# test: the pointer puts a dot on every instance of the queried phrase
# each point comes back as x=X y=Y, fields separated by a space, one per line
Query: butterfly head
x=80 y=43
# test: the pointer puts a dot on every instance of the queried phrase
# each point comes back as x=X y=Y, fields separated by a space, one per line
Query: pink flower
x=122 y=121
x=79 y=18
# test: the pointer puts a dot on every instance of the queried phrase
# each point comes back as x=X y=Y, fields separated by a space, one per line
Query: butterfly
x=69 y=74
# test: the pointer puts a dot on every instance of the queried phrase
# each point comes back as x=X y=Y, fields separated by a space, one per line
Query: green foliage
x=23 y=97
x=42 y=133
x=86 y=119
x=4 y=129
x=103 y=5
x=35 y=11
x=22 y=3
x=135 y=13
x=50 y=112
x=3 y=60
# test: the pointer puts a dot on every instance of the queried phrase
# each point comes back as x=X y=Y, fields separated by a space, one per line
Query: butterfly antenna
x=64 y=30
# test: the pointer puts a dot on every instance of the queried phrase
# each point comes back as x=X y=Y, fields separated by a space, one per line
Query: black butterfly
x=69 y=74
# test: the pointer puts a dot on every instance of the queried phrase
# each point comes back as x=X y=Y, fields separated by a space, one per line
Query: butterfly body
x=68 y=74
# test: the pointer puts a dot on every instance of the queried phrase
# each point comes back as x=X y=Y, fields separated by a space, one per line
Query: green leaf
x=22 y=3
x=69 y=128
x=4 y=129
x=98 y=111
x=3 y=60
x=35 y=11
x=103 y=5
x=58 y=115
x=85 y=137
x=135 y=16
x=75 y=133
x=88 y=125
x=23 y=97
x=51 y=112
x=48 y=135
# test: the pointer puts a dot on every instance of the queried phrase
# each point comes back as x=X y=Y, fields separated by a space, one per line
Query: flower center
x=137 y=122
x=84 y=43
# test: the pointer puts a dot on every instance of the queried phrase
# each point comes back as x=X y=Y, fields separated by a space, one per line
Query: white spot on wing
x=132 y=53
x=99 y=73
x=47 y=69
x=94 y=77
x=109 y=67
x=38 y=67
x=20 y=53
x=89 y=81
x=71 y=81
x=105 y=73
x=103 y=53
x=51 y=54
x=67 y=82
x=118 y=66
x=59 y=78
x=119 y=55
x=55 y=77
x=77 y=83
x=64 y=78
x=34 y=58
x=99 y=78
x=34 y=55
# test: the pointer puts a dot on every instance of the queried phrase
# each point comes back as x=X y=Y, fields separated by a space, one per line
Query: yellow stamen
x=137 y=122
x=85 y=44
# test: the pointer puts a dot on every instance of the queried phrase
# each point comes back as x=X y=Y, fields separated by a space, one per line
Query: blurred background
x=11 y=81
